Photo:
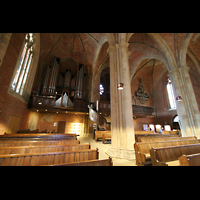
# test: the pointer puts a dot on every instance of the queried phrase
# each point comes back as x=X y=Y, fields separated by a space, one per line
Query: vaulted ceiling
x=79 y=46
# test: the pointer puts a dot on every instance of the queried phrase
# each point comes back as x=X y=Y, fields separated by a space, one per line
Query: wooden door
x=61 y=126
x=13 y=124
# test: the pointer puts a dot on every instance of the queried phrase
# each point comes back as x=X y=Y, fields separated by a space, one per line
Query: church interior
x=100 y=99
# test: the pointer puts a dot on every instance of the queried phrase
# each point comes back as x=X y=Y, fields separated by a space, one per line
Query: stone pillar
x=187 y=109
x=122 y=128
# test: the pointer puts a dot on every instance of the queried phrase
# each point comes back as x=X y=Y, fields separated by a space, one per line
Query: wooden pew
x=11 y=143
x=144 y=132
x=103 y=162
x=138 y=136
x=160 y=156
x=42 y=149
x=39 y=159
x=190 y=160
x=106 y=136
x=99 y=134
x=23 y=131
x=34 y=131
x=153 y=139
x=39 y=136
x=142 y=149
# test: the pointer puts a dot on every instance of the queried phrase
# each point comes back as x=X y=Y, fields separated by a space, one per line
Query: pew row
x=153 y=139
x=190 y=160
x=103 y=162
x=39 y=136
x=160 y=156
x=138 y=136
x=106 y=136
x=142 y=149
x=13 y=143
x=42 y=149
x=39 y=159
x=99 y=134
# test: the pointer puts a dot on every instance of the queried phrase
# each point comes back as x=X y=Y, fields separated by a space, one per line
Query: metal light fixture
x=179 y=98
x=120 y=86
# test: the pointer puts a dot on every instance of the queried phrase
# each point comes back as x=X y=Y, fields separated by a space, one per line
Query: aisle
x=102 y=149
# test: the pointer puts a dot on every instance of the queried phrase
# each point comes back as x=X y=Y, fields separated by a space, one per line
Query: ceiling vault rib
x=93 y=38
x=83 y=48
x=141 y=68
x=54 y=47
x=71 y=53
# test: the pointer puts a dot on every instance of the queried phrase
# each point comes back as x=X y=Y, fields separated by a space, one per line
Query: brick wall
x=9 y=104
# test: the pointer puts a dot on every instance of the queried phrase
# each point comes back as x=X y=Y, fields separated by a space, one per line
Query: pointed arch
x=184 y=48
x=171 y=62
x=110 y=39
x=160 y=58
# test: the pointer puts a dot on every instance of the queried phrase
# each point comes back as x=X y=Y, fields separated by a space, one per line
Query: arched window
x=23 y=65
x=171 y=94
x=176 y=119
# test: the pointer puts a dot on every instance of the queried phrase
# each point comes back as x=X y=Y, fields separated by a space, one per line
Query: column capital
x=110 y=49
x=185 y=68
x=124 y=44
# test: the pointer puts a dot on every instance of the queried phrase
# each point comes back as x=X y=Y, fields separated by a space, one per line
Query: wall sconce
x=120 y=86
x=179 y=98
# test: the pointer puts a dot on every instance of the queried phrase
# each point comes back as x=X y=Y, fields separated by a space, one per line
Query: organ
x=67 y=83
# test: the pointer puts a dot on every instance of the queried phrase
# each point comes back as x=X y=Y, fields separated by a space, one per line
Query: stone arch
x=98 y=76
x=164 y=46
x=160 y=58
x=110 y=39
x=184 y=48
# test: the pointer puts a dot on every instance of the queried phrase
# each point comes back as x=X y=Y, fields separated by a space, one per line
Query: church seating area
x=47 y=150
x=166 y=150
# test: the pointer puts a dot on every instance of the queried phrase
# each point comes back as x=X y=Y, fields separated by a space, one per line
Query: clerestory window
x=171 y=94
x=24 y=64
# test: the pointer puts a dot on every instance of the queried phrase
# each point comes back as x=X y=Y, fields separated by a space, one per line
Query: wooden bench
x=99 y=134
x=144 y=132
x=48 y=158
x=11 y=143
x=103 y=162
x=138 y=136
x=190 y=160
x=160 y=156
x=42 y=149
x=153 y=139
x=142 y=149
x=106 y=136
x=39 y=136
x=23 y=131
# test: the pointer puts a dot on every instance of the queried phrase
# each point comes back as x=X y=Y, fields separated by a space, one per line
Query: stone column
x=122 y=128
x=187 y=109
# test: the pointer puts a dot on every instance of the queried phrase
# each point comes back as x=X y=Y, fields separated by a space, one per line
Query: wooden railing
x=142 y=111
x=138 y=111
x=97 y=118
x=48 y=102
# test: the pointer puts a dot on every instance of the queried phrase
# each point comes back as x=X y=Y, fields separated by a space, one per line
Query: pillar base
x=121 y=153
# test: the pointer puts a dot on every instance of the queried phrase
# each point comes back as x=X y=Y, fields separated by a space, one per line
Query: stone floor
x=102 y=149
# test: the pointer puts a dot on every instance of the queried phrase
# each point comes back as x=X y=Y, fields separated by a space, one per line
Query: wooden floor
x=102 y=149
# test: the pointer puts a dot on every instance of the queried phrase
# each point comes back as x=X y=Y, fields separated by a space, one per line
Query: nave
x=103 y=148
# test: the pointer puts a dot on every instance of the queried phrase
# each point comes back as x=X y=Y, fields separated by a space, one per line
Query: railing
x=97 y=118
x=143 y=110
x=48 y=102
